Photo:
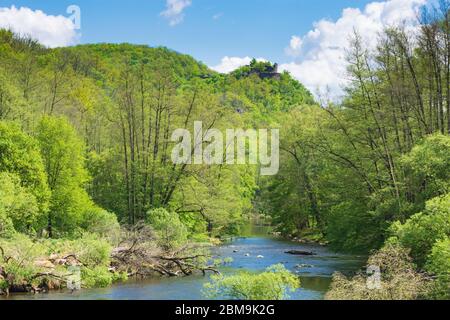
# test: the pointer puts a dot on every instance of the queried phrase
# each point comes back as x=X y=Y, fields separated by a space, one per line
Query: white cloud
x=321 y=52
x=295 y=46
x=51 y=31
x=229 y=64
x=174 y=11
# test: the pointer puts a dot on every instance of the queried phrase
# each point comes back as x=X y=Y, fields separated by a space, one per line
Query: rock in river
x=300 y=253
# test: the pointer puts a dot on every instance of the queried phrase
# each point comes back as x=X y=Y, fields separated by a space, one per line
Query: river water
x=314 y=271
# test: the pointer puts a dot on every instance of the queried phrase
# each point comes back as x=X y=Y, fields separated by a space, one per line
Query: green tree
x=217 y=198
x=428 y=168
x=20 y=155
x=19 y=209
x=63 y=154
x=11 y=104
x=70 y=206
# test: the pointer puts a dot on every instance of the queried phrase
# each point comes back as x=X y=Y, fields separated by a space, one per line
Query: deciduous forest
x=86 y=177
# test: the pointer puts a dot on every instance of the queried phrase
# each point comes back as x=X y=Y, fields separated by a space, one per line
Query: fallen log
x=143 y=260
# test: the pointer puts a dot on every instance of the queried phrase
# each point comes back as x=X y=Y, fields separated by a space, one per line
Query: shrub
x=22 y=259
x=399 y=279
x=6 y=225
x=438 y=264
x=96 y=277
x=18 y=256
x=101 y=222
x=273 y=284
x=170 y=230
x=94 y=253
x=422 y=230
x=90 y=249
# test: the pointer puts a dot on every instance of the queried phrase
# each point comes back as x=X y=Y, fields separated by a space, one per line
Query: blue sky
x=308 y=38
x=210 y=30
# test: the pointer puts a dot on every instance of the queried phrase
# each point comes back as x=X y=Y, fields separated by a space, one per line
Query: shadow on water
x=254 y=252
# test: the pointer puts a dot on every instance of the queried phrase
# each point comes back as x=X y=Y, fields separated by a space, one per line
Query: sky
x=307 y=38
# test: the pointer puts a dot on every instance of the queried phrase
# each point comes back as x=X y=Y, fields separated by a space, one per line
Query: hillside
x=123 y=101
x=88 y=136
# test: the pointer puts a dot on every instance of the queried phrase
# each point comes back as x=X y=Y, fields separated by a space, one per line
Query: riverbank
x=30 y=265
x=250 y=253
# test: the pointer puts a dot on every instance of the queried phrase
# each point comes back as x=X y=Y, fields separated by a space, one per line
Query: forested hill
x=267 y=94
x=116 y=106
x=103 y=62
x=85 y=160
x=111 y=55
x=85 y=155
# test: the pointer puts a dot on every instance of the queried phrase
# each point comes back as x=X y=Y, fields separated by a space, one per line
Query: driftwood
x=138 y=255
x=142 y=261
x=300 y=253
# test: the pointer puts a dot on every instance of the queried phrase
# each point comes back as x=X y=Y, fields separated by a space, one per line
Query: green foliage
x=94 y=253
x=97 y=277
x=23 y=258
x=272 y=284
x=375 y=157
x=6 y=225
x=215 y=206
x=428 y=167
x=101 y=222
x=89 y=87
x=438 y=264
x=248 y=92
x=19 y=258
x=399 y=279
x=90 y=249
x=421 y=231
x=171 y=232
x=92 y=136
x=20 y=155
x=182 y=66
x=100 y=277
x=106 y=187
x=11 y=103
x=62 y=152
x=71 y=207
x=19 y=210
x=292 y=197
x=352 y=229
x=257 y=67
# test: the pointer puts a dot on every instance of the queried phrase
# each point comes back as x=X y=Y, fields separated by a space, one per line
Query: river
x=314 y=271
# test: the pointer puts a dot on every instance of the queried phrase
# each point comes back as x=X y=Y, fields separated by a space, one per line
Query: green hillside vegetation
x=85 y=152
x=85 y=159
